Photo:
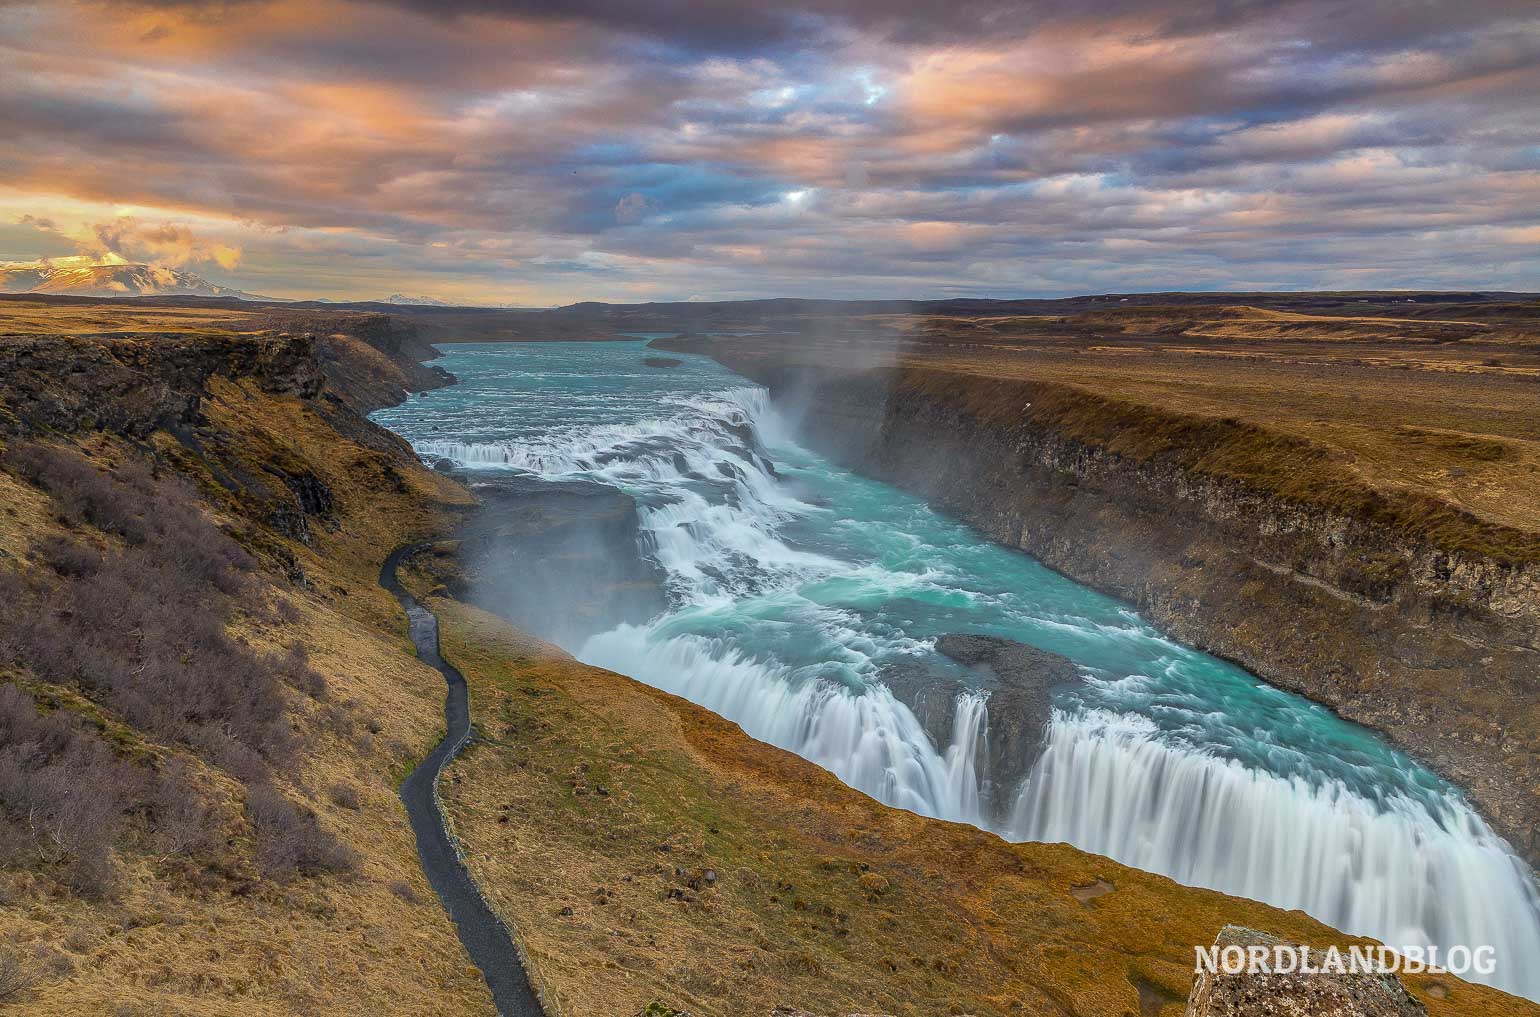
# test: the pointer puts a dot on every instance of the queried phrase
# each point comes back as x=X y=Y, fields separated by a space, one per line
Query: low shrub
x=286 y=611
x=16 y=977
x=294 y=667
x=63 y=794
x=144 y=628
x=137 y=502
x=137 y=618
x=179 y=814
x=69 y=558
x=290 y=839
x=402 y=889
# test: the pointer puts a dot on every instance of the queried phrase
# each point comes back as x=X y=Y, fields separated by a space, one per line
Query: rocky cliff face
x=371 y=360
x=1437 y=647
x=532 y=544
x=137 y=385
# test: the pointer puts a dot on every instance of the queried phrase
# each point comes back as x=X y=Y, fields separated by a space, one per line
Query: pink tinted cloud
x=573 y=147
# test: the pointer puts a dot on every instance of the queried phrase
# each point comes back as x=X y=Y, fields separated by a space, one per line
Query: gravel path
x=482 y=933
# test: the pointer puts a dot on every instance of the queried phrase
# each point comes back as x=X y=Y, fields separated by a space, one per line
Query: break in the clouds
x=528 y=152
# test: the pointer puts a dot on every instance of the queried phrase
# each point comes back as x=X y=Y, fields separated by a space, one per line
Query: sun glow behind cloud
x=499 y=152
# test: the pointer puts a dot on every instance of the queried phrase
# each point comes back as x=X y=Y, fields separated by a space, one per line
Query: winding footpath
x=485 y=938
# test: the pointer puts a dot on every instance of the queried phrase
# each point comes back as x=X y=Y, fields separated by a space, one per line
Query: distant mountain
x=112 y=281
x=402 y=298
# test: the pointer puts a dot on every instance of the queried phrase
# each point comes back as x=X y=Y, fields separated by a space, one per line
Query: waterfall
x=870 y=741
x=1107 y=784
x=779 y=632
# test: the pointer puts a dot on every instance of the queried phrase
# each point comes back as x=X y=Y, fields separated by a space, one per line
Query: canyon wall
x=1408 y=618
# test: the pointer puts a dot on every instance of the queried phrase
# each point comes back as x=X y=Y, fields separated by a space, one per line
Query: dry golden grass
x=1243 y=322
x=26 y=515
x=1375 y=422
x=596 y=806
x=25 y=317
x=171 y=941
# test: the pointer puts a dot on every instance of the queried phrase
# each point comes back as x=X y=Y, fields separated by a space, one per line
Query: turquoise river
x=795 y=585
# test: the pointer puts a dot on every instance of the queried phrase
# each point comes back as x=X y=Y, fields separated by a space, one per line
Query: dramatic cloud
x=508 y=151
x=167 y=244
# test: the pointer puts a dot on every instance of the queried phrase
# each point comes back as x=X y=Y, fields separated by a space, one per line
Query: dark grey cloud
x=735 y=27
x=666 y=149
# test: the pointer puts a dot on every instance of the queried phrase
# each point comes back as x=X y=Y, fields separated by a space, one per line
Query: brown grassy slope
x=213 y=935
x=647 y=849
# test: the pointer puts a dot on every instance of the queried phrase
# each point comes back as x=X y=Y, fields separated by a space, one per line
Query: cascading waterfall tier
x=792 y=585
x=1107 y=783
x=870 y=741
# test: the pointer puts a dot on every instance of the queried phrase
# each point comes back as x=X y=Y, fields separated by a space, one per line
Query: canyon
x=1397 y=609
x=591 y=808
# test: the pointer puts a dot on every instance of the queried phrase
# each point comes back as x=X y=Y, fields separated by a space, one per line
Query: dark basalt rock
x=139 y=385
x=312 y=499
x=1019 y=680
x=662 y=362
x=561 y=560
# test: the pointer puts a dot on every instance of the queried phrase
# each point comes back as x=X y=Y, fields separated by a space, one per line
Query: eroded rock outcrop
x=1018 y=681
x=135 y=386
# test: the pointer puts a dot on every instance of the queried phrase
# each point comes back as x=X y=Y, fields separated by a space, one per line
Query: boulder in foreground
x=1295 y=995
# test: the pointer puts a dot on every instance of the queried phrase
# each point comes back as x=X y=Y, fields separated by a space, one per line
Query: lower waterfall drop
x=793 y=585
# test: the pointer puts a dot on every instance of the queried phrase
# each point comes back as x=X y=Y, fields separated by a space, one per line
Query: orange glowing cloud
x=572 y=150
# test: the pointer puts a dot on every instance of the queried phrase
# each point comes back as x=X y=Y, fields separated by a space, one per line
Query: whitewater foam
x=1163 y=769
x=1108 y=784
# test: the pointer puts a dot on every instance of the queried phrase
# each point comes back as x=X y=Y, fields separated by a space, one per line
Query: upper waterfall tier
x=795 y=586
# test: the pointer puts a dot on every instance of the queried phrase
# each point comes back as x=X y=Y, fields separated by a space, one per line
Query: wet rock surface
x=563 y=561
x=1295 y=995
x=1019 y=681
x=662 y=362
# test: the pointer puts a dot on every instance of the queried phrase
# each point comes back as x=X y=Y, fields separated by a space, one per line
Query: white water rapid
x=793 y=585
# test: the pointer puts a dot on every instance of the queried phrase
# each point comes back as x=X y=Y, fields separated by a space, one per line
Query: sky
x=537 y=153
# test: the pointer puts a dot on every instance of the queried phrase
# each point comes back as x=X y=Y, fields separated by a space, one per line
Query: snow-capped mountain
x=112 y=281
x=402 y=298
